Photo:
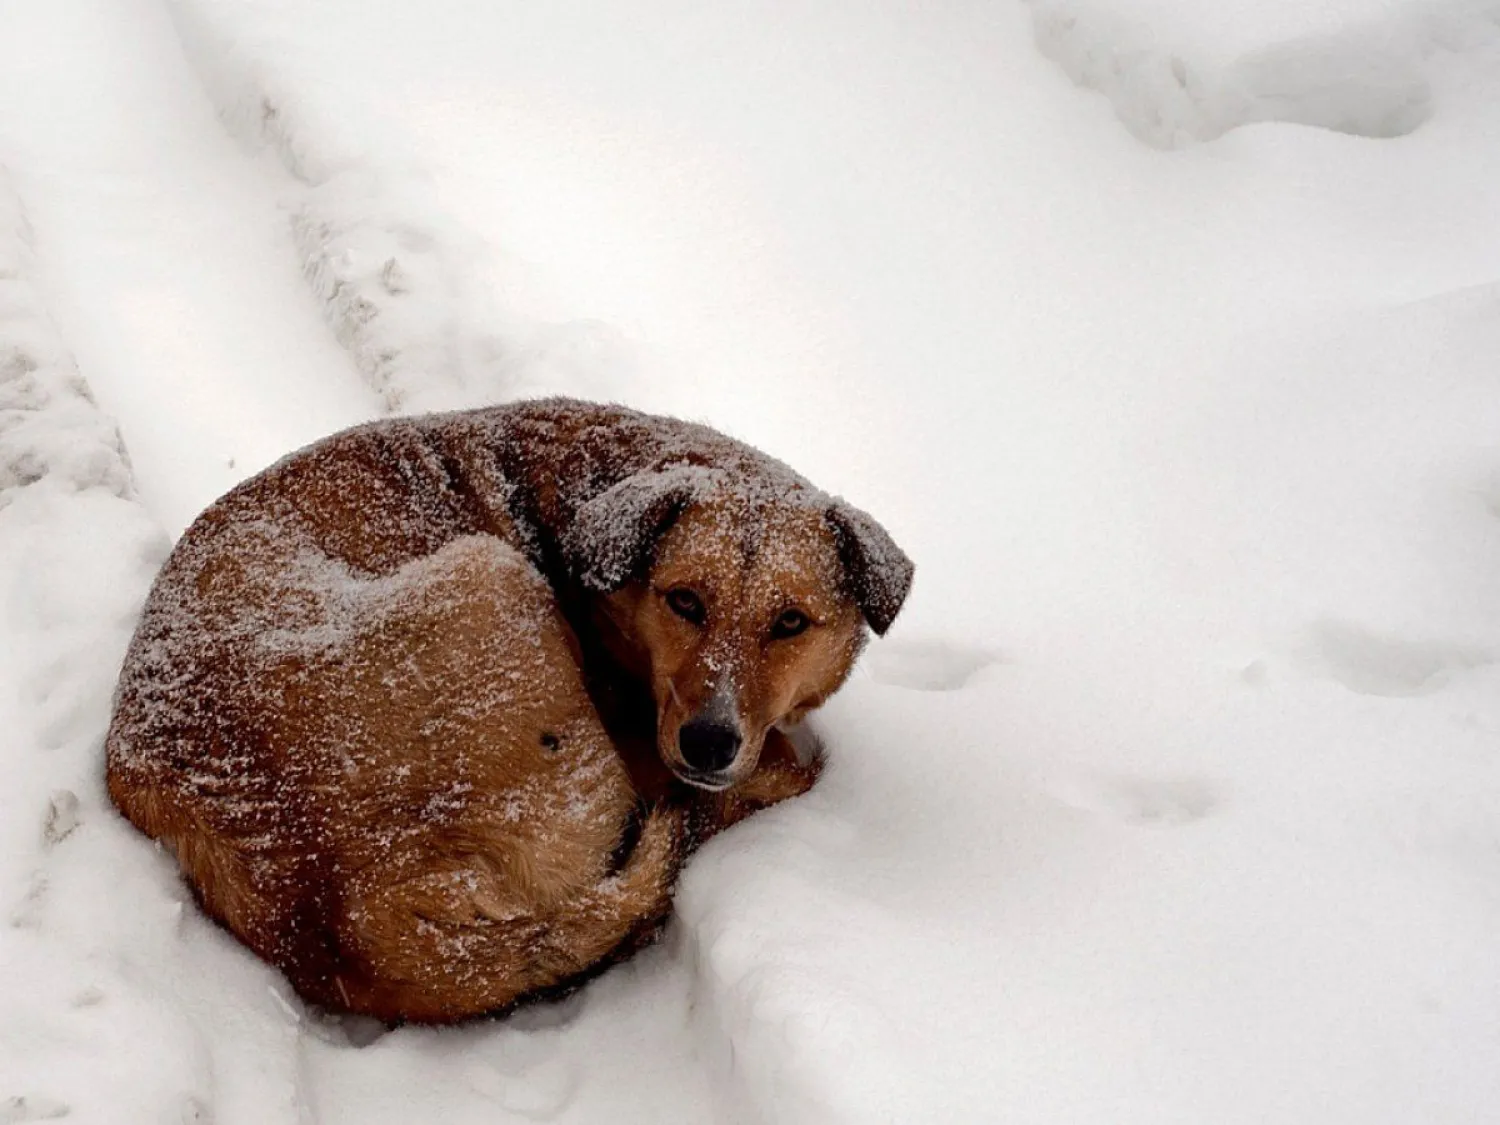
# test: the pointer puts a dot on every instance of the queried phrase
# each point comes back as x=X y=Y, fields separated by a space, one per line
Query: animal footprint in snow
x=536 y=1090
x=28 y=914
x=1355 y=82
x=63 y=816
x=1372 y=664
x=195 y=1111
x=1137 y=801
x=338 y=1029
x=32 y=1108
x=927 y=665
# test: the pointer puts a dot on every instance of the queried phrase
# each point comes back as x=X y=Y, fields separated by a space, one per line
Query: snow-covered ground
x=1175 y=794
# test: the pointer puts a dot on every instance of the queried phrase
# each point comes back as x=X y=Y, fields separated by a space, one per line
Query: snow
x=169 y=267
x=1178 y=73
x=1172 y=795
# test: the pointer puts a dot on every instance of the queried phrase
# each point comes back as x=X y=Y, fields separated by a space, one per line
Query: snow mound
x=1179 y=74
x=50 y=428
x=400 y=281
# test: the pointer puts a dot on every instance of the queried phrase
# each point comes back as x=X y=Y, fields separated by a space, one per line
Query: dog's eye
x=686 y=605
x=789 y=624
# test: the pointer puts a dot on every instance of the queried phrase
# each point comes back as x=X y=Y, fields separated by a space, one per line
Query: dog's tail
x=625 y=910
x=642 y=887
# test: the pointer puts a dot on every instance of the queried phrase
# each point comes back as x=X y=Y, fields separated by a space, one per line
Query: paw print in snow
x=1163 y=802
x=1374 y=664
x=31 y=1107
x=927 y=665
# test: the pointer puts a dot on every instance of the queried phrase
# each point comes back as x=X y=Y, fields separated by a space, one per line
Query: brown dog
x=431 y=711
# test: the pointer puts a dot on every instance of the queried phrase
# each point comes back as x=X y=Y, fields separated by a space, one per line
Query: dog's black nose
x=708 y=746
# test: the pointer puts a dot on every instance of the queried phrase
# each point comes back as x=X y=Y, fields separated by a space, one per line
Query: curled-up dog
x=431 y=711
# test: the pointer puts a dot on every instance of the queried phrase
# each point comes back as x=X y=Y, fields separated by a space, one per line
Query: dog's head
x=741 y=607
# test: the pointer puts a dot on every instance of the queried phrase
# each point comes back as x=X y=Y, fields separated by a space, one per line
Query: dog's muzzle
x=708 y=748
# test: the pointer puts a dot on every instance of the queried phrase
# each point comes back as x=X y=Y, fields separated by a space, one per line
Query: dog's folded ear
x=612 y=536
x=878 y=572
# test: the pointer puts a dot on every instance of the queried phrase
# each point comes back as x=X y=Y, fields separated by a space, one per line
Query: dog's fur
x=411 y=706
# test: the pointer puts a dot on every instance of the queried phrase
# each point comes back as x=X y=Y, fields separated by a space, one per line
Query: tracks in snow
x=141 y=242
x=165 y=256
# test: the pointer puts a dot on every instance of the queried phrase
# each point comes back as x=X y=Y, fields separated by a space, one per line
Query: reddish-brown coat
x=402 y=750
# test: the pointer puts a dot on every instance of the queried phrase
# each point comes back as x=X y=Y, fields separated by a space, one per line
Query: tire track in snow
x=50 y=426
x=400 y=281
x=101 y=1023
x=154 y=252
x=163 y=252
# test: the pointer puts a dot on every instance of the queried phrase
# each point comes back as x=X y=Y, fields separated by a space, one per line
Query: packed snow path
x=1171 y=798
x=169 y=262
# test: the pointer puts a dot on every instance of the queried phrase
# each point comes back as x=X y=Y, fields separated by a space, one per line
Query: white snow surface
x=1179 y=73
x=1174 y=794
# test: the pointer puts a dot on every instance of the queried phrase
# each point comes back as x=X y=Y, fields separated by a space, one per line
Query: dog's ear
x=877 y=571
x=612 y=536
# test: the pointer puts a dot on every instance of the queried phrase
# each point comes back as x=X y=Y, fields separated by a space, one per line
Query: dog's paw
x=782 y=781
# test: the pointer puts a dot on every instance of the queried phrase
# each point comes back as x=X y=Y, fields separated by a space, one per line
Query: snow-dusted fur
x=355 y=710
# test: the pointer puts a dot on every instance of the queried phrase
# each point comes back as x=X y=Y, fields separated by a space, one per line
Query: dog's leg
x=779 y=777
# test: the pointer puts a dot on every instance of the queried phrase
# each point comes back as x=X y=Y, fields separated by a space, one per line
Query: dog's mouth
x=715 y=782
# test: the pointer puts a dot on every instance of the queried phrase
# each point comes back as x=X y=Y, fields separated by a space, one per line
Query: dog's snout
x=708 y=745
